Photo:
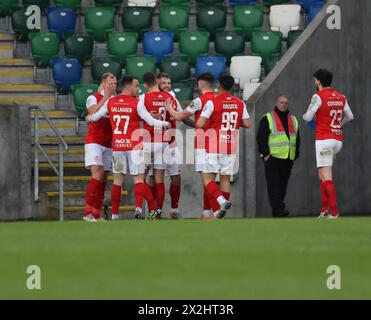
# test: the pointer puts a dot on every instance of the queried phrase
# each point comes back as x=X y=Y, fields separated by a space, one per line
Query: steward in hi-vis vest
x=278 y=144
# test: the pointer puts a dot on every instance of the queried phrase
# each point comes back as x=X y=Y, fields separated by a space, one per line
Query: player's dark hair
x=127 y=81
x=324 y=76
x=207 y=77
x=150 y=79
x=163 y=75
x=226 y=81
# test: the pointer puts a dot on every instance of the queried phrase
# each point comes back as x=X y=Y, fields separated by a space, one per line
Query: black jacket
x=264 y=132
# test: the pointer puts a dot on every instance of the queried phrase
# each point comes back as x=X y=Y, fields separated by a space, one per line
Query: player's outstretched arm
x=177 y=115
x=205 y=115
x=101 y=113
x=315 y=104
x=108 y=91
x=146 y=116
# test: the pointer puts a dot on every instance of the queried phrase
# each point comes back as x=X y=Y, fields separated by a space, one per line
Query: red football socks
x=323 y=196
x=138 y=194
x=206 y=201
x=91 y=193
x=226 y=195
x=214 y=193
x=174 y=195
x=115 y=198
x=98 y=203
x=331 y=195
x=160 y=194
x=148 y=195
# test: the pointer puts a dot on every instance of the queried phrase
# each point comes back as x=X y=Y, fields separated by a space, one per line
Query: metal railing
x=62 y=148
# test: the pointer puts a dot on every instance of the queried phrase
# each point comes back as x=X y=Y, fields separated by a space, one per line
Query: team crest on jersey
x=121 y=100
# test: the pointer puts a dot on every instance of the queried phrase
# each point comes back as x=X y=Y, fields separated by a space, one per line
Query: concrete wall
x=16 y=200
x=346 y=52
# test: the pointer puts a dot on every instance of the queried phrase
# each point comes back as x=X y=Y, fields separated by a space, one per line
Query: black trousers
x=277 y=174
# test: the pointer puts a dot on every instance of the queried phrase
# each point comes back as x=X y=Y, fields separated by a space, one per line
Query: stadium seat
x=100 y=22
x=142 y=3
x=275 y=2
x=138 y=66
x=73 y=4
x=142 y=89
x=246 y=69
x=176 y=67
x=122 y=44
x=194 y=44
x=234 y=3
x=108 y=3
x=174 y=18
x=158 y=44
x=99 y=66
x=66 y=71
x=80 y=92
x=284 y=18
x=266 y=43
x=44 y=47
x=60 y=20
x=213 y=64
x=211 y=18
x=306 y=4
x=270 y=63
x=19 y=23
x=248 y=19
x=41 y=3
x=174 y=1
x=137 y=19
x=183 y=91
x=292 y=36
x=249 y=89
x=80 y=46
x=7 y=7
x=229 y=44
x=315 y=8
x=207 y=2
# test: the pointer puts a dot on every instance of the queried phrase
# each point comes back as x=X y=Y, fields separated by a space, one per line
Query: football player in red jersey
x=160 y=140
x=205 y=83
x=173 y=168
x=126 y=113
x=332 y=112
x=98 y=149
x=223 y=116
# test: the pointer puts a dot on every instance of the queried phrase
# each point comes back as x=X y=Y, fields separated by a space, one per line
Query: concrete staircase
x=18 y=85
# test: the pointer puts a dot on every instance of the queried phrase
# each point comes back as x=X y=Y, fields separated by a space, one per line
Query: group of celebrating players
x=135 y=135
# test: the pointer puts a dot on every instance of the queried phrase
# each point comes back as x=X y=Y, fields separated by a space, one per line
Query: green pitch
x=187 y=259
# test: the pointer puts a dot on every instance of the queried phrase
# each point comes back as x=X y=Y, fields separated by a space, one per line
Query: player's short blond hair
x=107 y=75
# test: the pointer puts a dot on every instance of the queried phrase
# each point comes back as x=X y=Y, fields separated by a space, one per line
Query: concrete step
x=45 y=165
x=66 y=127
x=74 y=140
x=75 y=153
x=55 y=114
x=6 y=49
x=76 y=198
x=76 y=182
x=16 y=71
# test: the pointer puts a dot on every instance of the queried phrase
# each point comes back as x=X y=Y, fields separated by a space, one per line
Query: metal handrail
x=62 y=148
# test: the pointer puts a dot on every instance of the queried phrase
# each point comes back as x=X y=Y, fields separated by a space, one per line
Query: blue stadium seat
x=61 y=20
x=242 y=2
x=158 y=44
x=306 y=4
x=213 y=64
x=66 y=71
x=315 y=8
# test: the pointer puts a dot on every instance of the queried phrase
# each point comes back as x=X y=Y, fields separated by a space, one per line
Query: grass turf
x=187 y=259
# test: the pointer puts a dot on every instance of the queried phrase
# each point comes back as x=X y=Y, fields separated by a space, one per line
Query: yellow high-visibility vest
x=280 y=146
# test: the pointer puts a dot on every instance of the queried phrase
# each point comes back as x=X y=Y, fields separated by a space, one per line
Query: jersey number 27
x=117 y=120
